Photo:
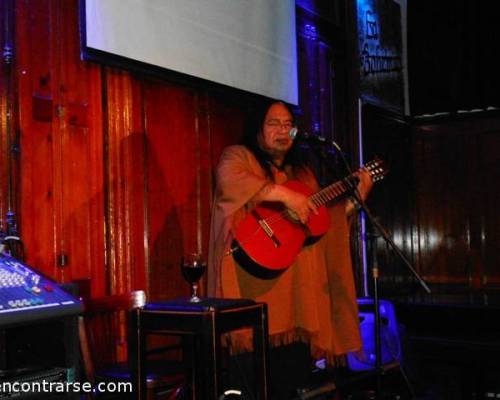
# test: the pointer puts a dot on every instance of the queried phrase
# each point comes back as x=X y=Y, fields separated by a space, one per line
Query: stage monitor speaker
x=391 y=345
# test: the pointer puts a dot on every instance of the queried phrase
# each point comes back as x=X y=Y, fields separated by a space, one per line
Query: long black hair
x=254 y=125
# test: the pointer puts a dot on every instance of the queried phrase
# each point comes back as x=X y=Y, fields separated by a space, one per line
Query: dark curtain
x=451 y=55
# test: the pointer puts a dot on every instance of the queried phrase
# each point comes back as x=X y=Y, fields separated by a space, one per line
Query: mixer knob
x=36 y=290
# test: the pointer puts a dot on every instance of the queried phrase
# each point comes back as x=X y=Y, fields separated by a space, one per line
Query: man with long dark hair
x=313 y=301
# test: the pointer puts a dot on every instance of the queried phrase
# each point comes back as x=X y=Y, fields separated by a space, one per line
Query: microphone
x=295 y=134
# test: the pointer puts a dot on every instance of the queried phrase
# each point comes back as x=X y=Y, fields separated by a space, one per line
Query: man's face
x=274 y=137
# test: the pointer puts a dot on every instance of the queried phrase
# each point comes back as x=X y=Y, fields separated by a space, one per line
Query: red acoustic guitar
x=271 y=237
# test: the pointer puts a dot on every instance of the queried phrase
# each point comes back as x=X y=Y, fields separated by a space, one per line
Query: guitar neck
x=377 y=170
x=334 y=191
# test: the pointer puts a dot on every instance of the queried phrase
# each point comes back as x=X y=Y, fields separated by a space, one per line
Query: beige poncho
x=314 y=300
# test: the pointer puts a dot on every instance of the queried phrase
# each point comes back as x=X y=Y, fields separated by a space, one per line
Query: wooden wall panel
x=125 y=183
x=391 y=200
x=439 y=200
x=443 y=206
x=204 y=174
x=80 y=149
x=172 y=184
x=457 y=175
x=6 y=99
x=487 y=238
x=61 y=140
x=226 y=125
x=36 y=115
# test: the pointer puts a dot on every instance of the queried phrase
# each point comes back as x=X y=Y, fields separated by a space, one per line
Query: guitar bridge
x=266 y=228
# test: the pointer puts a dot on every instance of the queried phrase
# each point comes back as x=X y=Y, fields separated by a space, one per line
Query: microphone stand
x=360 y=203
x=379 y=370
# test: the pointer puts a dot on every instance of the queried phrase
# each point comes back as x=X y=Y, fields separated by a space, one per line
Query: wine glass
x=193 y=267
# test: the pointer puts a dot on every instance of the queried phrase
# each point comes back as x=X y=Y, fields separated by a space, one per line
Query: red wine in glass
x=193 y=267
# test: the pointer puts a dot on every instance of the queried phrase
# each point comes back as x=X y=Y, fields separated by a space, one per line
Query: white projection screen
x=245 y=44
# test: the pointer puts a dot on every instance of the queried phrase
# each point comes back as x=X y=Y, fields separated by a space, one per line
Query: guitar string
x=283 y=214
x=320 y=198
x=336 y=189
x=318 y=202
x=378 y=172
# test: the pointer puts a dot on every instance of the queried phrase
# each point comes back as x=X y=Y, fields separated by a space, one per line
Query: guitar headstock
x=377 y=169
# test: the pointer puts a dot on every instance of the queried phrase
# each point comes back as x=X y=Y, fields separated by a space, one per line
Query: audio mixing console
x=26 y=296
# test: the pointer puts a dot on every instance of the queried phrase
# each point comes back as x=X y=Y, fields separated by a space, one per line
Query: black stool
x=205 y=322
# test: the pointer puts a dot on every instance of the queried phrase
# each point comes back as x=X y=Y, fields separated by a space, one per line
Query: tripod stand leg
x=409 y=386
